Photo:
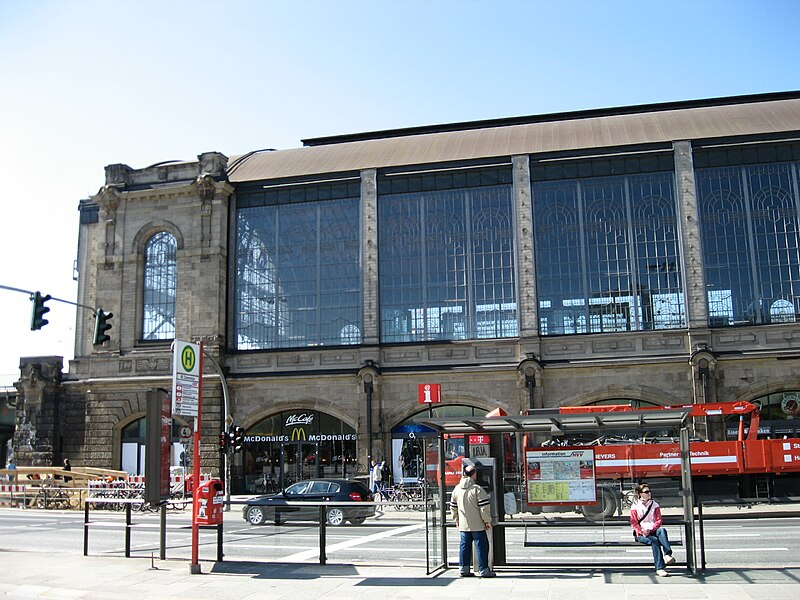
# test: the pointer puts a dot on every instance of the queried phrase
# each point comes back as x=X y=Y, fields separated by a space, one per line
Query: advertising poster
x=560 y=476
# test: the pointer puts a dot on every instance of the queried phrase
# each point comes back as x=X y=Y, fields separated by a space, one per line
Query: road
x=395 y=538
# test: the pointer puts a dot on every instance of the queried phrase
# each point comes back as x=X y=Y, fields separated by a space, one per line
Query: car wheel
x=335 y=516
x=358 y=520
x=255 y=515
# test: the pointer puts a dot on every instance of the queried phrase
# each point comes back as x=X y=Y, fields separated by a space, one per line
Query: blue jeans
x=465 y=551
x=657 y=540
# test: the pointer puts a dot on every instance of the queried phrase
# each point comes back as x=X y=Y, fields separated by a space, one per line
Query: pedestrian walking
x=647 y=528
x=376 y=477
x=67 y=467
x=472 y=514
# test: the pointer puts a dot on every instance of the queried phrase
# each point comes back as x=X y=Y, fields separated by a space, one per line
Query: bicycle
x=52 y=495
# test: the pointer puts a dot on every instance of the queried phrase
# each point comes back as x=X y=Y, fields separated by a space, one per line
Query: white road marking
x=302 y=556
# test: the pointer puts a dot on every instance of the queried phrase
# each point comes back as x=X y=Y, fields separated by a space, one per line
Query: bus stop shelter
x=552 y=422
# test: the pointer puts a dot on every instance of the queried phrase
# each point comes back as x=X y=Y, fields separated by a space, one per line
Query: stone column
x=526 y=288
x=693 y=274
x=37 y=439
x=369 y=251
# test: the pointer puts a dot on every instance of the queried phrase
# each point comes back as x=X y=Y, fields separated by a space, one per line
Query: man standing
x=473 y=517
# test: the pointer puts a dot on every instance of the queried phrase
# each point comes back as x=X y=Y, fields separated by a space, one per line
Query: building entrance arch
x=409 y=440
x=293 y=445
x=133 y=446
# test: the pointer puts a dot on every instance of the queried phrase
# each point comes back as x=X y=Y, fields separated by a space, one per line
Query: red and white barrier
x=12 y=495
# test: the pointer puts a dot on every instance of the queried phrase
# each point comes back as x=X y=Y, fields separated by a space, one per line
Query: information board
x=186 y=379
x=560 y=476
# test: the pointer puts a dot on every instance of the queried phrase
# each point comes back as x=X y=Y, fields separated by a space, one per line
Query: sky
x=85 y=84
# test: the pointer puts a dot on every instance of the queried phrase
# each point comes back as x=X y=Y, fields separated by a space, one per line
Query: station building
x=646 y=255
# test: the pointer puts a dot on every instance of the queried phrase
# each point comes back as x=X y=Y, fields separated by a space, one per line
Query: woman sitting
x=646 y=522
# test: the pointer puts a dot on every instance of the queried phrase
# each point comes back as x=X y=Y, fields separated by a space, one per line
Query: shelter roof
x=553 y=422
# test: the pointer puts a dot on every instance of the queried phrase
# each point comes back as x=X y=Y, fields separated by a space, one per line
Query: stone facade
x=106 y=386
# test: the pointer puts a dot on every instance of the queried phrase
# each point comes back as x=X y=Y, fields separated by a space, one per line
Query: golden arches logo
x=188 y=358
x=298 y=434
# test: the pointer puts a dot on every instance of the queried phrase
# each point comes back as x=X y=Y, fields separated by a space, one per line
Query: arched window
x=780 y=416
x=158 y=322
x=132 y=457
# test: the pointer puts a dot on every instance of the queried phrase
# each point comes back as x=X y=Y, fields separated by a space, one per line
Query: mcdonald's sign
x=299 y=434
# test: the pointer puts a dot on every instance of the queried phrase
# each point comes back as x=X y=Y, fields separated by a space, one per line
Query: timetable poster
x=560 y=476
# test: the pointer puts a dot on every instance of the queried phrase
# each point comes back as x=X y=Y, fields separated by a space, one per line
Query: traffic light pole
x=39 y=309
x=53 y=298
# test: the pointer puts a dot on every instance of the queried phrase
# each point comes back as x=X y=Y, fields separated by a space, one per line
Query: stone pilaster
x=369 y=250
x=693 y=275
x=526 y=302
x=37 y=436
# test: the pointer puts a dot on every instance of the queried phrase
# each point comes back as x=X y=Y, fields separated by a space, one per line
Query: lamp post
x=226 y=421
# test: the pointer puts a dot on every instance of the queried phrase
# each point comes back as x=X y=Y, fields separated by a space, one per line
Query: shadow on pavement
x=750 y=575
x=293 y=571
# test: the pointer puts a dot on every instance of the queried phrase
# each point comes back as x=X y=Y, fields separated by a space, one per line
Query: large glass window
x=160 y=284
x=749 y=218
x=298 y=275
x=292 y=446
x=607 y=254
x=446 y=257
x=780 y=416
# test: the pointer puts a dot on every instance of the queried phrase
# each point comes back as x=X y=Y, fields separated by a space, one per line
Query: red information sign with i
x=429 y=393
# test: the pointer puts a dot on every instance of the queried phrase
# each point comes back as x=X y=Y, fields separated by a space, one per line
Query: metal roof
x=552 y=422
x=604 y=131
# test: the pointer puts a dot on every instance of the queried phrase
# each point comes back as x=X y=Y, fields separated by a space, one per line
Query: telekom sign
x=429 y=393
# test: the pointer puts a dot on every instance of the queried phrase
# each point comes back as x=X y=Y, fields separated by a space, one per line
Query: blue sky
x=84 y=84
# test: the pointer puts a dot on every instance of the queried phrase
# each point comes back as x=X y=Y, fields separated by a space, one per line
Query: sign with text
x=429 y=393
x=560 y=476
x=186 y=379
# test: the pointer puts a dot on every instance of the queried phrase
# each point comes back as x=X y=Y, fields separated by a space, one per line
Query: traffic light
x=237 y=439
x=223 y=441
x=101 y=325
x=39 y=309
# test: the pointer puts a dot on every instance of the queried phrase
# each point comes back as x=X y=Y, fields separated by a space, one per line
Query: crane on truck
x=745 y=468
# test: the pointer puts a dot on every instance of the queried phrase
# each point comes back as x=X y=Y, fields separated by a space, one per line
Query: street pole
x=226 y=422
x=194 y=568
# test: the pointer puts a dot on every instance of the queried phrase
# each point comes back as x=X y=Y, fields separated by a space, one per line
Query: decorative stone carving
x=108 y=197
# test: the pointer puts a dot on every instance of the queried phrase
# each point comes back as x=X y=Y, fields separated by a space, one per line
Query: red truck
x=747 y=467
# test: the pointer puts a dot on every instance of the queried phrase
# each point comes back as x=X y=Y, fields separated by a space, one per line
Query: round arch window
x=133 y=447
x=291 y=446
x=780 y=416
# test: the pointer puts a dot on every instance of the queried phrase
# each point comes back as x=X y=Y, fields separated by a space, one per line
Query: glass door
x=434 y=502
x=299 y=462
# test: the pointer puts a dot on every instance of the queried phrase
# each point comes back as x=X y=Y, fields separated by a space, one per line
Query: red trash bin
x=209 y=497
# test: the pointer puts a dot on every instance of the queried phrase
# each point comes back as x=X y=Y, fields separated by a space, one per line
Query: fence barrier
x=12 y=495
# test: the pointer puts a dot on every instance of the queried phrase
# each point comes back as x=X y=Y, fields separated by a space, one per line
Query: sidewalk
x=53 y=575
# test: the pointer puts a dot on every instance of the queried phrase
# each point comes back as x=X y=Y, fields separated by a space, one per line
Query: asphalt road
x=395 y=538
